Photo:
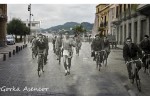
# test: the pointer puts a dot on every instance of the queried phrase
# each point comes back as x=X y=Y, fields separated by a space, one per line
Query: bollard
x=9 y=54
x=13 y=52
x=4 y=57
x=21 y=47
x=16 y=49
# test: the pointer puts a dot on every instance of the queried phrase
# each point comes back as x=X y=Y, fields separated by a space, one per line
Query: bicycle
x=40 y=63
x=134 y=72
x=147 y=67
x=101 y=56
x=105 y=56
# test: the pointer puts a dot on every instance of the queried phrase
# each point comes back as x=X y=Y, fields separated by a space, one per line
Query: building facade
x=130 y=22
x=3 y=24
x=102 y=13
x=124 y=20
x=35 y=27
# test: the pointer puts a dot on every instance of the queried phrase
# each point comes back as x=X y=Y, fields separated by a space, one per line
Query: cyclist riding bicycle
x=41 y=47
x=131 y=52
x=34 y=46
x=45 y=39
x=145 y=46
x=53 y=42
x=106 y=45
x=58 y=45
x=78 y=43
x=67 y=45
x=97 y=45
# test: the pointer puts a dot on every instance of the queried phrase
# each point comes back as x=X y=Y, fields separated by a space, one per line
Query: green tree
x=17 y=27
x=79 y=29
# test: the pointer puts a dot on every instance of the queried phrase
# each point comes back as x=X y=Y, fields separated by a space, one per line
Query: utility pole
x=29 y=9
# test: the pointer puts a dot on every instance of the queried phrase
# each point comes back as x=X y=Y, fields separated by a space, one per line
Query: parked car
x=10 y=39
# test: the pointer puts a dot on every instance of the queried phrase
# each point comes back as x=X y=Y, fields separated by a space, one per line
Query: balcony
x=116 y=21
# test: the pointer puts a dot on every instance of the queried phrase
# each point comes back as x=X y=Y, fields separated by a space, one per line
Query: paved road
x=20 y=72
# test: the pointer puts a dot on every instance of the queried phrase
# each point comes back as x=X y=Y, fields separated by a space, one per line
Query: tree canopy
x=78 y=29
x=17 y=27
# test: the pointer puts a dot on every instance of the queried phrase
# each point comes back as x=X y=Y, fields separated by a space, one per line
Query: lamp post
x=29 y=9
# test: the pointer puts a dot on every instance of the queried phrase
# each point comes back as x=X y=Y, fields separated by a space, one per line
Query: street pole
x=30 y=18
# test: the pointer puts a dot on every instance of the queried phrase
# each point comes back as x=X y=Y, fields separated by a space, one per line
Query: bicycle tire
x=97 y=62
x=137 y=80
x=59 y=58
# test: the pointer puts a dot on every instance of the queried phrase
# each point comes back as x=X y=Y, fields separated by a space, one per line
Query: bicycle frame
x=147 y=62
x=135 y=72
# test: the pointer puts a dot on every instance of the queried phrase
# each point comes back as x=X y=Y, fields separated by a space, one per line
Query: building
x=3 y=24
x=102 y=13
x=130 y=22
x=35 y=27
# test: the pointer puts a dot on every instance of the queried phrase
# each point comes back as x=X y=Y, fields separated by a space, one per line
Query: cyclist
x=53 y=41
x=131 y=51
x=145 y=46
x=34 y=46
x=41 y=47
x=67 y=52
x=97 y=45
x=106 y=45
x=58 y=45
x=78 y=43
x=47 y=48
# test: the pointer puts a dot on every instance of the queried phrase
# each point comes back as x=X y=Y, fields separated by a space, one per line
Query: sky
x=53 y=14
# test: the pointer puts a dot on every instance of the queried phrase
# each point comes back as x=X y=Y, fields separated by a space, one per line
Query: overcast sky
x=53 y=14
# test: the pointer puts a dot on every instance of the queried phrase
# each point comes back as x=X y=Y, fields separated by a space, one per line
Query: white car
x=10 y=39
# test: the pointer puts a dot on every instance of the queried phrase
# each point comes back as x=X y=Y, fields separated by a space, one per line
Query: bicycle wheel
x=39 y=69
x=59 y=57
x=137 y=80
x=97 y=62
x=32 y=55
x=106 y=56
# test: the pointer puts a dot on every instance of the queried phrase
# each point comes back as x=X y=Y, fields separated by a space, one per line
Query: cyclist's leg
x=129 y=68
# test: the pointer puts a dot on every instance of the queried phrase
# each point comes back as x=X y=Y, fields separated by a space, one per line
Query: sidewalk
x=9 y=48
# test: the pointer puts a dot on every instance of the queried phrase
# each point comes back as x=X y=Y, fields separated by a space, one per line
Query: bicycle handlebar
x=133 y=61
